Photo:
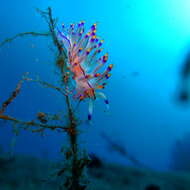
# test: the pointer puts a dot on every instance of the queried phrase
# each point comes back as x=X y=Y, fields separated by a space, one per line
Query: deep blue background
x=148 y=37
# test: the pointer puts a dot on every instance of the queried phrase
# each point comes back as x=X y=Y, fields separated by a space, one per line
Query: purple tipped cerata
x=106 y=101
x=99 y=44
x=93 y=27
x=92 y=39
x=89 y=116
x=93 y=34
x=82 y=23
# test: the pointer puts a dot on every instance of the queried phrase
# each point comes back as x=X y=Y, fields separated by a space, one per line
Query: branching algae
x=79 y=62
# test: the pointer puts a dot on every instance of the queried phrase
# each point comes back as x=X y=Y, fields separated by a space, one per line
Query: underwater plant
x=79 y=62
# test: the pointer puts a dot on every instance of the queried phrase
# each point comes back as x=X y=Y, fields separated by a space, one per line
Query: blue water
x=145 y=37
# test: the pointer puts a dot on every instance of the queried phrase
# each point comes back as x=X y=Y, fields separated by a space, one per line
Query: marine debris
x=115 y=146
x=183 y=89
x=180 y=154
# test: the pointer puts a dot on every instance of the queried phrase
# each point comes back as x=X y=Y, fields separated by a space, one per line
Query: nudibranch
x=85 y=62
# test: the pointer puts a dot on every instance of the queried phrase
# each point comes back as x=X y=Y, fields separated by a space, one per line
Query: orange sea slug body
x=83 y=51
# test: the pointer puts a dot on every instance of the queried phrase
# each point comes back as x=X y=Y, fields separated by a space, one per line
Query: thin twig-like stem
x=31 y=123
x=8 y=40
x=76 y=170
x=12 y=97
x=52 y=30
x=48 y=85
